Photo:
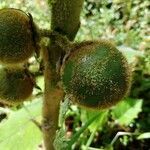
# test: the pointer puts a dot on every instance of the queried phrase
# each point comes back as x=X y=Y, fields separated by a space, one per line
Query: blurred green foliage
x=124 y=126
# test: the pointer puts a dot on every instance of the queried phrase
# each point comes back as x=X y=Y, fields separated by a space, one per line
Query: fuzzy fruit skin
x=96 y=75
x=16 y=36
x=15 y=86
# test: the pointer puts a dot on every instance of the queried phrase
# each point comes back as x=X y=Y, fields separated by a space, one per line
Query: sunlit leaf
x=18 y=131
x=40 y=82
x=126 y=111
x=82 y=129
x=130 y=53
x=144 y=136
x=97 y=123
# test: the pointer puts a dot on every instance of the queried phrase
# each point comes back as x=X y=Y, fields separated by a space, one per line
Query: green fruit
x=96 y=75
x=16 y=36
x=15 y=86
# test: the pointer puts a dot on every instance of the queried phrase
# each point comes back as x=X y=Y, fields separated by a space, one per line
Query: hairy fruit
x=96 y=74
x=15 y=86
x=16 y=36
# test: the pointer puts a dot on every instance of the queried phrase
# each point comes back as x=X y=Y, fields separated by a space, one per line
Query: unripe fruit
x=96 y=75
x=16 y=36
x=15 y=86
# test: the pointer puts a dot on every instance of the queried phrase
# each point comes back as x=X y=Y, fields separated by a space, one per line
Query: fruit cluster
x=17 y=45
x=94 y=74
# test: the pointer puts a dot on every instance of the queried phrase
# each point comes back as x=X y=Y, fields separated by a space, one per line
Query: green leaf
x=97 y=123
x=126 y=111
x=82 y=129
x=145 y=135
x=40 y=82
x=18 y=131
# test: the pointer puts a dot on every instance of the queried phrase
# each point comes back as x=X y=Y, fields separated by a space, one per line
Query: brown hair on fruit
x=96 y=74
x=16 y=36
x=15 y=86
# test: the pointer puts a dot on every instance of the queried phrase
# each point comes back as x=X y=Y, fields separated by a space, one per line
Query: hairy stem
x=62 y=41
x=65 y=20
x=52 y=96
x=65 y=17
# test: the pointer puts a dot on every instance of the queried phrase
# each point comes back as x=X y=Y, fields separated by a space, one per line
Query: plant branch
x=52 y=96
x=64 y=20
x=65 y=17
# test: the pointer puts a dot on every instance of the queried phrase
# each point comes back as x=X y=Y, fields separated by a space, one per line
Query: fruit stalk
x=64 y=20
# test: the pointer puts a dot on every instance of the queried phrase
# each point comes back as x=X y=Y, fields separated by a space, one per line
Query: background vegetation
x=125 y=126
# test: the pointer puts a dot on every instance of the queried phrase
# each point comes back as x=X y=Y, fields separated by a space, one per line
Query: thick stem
x=65 y=17
x=64 y=20
x=52 y=96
